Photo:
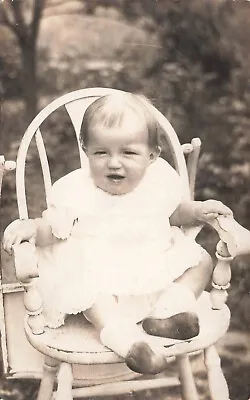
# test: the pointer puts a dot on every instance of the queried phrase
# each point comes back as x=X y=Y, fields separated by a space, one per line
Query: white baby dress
x=116 y=244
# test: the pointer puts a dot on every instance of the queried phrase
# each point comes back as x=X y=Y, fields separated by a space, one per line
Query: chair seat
x=77 y=341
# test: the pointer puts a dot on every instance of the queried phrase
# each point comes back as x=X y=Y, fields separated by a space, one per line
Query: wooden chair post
x=2 y=162
x=221 y=276
x=216 y=381
x=192 y=151
x=5 y=166
x=65 y=381
x=48 y=379
x=188 y=387
x=26 y=272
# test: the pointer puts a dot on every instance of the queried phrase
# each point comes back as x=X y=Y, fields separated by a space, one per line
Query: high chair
x=72 y=355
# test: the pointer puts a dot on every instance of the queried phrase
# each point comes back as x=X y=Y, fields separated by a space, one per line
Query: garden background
x=191 y=58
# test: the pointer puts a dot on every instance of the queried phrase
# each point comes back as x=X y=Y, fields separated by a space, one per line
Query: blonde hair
x=110 y=111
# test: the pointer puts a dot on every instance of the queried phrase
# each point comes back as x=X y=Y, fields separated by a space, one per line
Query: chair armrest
x=25 y=261
x=233 y=235
x=234 y=241
x=26 y=267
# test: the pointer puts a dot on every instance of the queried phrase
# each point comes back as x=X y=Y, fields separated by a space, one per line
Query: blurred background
x=191 y=58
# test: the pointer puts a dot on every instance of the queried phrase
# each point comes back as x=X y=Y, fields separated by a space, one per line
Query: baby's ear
x=155 y=153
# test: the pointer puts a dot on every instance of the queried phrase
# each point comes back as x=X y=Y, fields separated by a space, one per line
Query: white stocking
x=120 y=337
x=177 y=298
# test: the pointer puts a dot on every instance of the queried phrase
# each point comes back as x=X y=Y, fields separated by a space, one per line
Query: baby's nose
x=114 y=162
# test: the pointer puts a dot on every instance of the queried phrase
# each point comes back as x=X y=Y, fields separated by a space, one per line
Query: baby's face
x=119 y=157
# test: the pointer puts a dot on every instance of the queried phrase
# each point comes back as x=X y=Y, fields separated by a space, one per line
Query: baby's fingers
x=225 y=210
x=214 y=206
x=222 y=209
x=10 y=237
x=211 y=216
x=7 y=246
x=9 y=241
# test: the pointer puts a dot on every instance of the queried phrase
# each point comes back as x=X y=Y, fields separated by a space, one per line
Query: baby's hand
x=211 y=209
x=17 y=232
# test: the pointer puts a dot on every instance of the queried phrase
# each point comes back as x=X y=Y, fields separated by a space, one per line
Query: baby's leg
x=197 y=278
x=174 y=314
x=124 y=337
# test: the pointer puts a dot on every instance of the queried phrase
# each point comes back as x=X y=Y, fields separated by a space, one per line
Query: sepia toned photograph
x=125 y=199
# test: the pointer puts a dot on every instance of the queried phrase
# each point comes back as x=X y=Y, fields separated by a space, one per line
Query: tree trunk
x=29 y=78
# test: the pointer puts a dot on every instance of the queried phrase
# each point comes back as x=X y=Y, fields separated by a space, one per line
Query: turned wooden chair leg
x=216 y=379
x=48 y=379
x=188 y=387
x=65 y=381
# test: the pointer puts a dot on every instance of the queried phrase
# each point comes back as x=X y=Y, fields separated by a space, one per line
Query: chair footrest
x=117 y=388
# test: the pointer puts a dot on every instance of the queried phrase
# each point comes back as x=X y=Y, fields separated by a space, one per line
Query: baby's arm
x=44 y=235
x=37 y=231
x=194 y=212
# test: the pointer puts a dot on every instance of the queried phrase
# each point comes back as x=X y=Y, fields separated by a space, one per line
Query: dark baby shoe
x=182 y=326
x=142 y=359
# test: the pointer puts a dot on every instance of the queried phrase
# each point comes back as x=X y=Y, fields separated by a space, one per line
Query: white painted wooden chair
x=72 y=355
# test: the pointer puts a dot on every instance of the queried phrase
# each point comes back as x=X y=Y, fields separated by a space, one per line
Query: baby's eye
x=99 y=153
x=130 y=153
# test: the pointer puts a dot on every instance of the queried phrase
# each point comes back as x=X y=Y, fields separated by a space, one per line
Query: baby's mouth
x=115 y=177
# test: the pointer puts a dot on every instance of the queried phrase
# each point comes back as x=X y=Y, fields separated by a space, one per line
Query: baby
x=109 y=245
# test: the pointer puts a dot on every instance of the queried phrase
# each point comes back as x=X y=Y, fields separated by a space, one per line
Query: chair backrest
x=76 y=103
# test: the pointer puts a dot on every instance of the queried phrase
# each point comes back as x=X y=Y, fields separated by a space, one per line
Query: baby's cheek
x=137 y=177
x=97 y=168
